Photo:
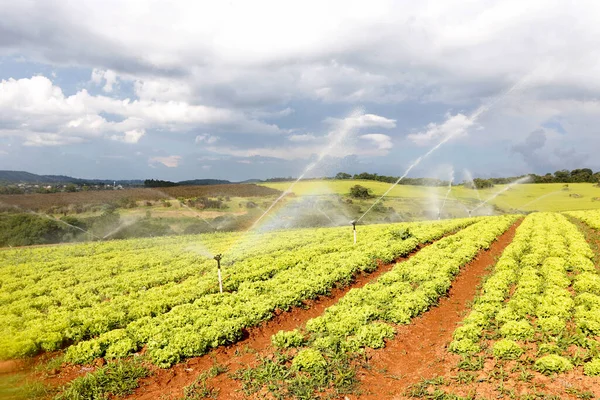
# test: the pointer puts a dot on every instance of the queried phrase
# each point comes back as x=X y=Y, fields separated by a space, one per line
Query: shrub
x=553 y=363
x=360 y=192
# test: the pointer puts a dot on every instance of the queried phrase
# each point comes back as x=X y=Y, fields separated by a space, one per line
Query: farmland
x=408 y=198
x=150 y=306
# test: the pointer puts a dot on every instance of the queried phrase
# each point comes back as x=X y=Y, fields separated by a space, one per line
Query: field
x=45 y=202
x=306 y=313
x=525 y=197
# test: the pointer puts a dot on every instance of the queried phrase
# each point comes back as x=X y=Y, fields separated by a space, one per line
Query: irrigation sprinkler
x=218 y=259
x=470 y=213
x=353 y=222
x=439 y=215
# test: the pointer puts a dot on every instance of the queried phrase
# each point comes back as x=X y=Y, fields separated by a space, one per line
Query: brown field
x=39 y=202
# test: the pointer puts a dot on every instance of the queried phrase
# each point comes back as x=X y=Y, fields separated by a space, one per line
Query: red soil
x=419 y=350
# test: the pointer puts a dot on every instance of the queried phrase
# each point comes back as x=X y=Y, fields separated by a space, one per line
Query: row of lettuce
x=77 y=292
x=542 y=301
x=365 y=317
x=113 y=298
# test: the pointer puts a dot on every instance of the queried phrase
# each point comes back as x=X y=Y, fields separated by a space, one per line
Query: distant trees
x=152 y=183
x=479 y=183
x=343 y=175
x=579 y=175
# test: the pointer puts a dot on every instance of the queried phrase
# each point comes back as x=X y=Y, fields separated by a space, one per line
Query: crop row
x=589 y=217
x=211 y=320
x=364 y=317
x=409 y=289
x=49 y=314
x=542 y=301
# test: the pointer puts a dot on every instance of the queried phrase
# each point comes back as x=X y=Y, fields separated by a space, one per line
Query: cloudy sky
x=255 y=89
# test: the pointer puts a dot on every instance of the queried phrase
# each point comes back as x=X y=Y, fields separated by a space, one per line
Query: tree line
x=580 y=175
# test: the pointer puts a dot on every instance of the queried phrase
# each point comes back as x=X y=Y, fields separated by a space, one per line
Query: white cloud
x=49 y=139
x=132 y=136
x=383 y=142
x=389 y=51
x=41 y=107
x=367 y=121
x=206 y=138
x=108 y=76
x=454 y=126
x=302 y=138
x=169 y=161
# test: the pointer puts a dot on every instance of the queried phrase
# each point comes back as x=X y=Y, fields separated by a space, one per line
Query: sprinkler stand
x=218 y=259
x=354 y=229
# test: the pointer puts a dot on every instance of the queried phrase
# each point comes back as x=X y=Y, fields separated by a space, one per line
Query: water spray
x=218 y=260
x=524 y=179
x=347 y=127
x=449 y=135
x=353 y=222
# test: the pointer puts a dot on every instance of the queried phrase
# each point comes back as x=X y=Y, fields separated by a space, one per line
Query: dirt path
x=419 y=349
x=169 y=383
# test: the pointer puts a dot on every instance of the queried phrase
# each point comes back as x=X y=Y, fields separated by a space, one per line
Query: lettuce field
x=308 y=313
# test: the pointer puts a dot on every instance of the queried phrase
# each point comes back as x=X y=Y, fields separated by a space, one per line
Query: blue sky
x=238 y=90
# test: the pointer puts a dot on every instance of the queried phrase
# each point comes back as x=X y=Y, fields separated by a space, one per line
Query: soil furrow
x=419 y=349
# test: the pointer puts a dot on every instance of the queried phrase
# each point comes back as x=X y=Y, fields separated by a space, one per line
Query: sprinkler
x=439 y=215
x=354 y=229
x=218 y=259
x=470 y=213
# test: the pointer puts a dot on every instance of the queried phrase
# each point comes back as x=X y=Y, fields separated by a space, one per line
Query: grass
x=526 y=197
x=280 y=379
x=115 y=379
x=16 y=387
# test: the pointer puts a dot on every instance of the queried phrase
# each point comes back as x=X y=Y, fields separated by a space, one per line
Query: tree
x=479 y=183
x=360 y=192
x=582 y=175
x=563 y=176
x=343 y=175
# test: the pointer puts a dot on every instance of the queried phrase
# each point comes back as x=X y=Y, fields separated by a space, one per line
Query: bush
x=553 y=363
x=360 y=192
x=507 y=349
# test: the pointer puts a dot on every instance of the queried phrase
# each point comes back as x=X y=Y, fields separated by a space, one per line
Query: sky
x=258 y=89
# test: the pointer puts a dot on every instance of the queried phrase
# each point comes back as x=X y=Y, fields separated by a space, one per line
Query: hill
x=28 y=177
